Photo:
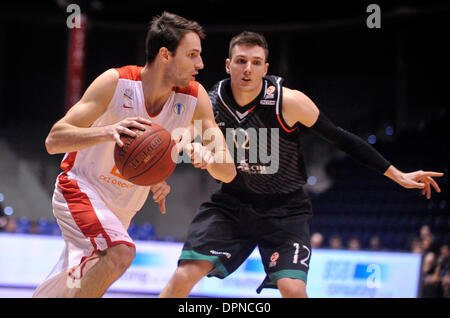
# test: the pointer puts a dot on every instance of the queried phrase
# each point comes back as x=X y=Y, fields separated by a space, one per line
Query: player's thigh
x=194 y=268
x=292 y=288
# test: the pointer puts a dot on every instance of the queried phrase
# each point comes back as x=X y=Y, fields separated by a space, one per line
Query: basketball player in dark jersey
x=265 y=205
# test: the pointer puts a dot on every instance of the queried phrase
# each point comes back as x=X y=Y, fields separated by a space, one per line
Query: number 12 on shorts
x=297 y=250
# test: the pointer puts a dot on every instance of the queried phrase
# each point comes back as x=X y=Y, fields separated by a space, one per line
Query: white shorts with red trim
x=88 y=226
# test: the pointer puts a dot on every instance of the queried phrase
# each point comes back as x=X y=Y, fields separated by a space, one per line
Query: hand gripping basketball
x=145 y=159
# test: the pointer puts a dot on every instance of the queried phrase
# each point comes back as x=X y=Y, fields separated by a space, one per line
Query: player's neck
x=244 y=96
x=155 y=87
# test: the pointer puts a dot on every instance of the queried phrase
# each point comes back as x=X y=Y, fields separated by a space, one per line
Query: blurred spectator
x=416 y=245
x=429 y=263
x=34 y=228
x=428 y=244
x=335 y=242
x=436 y=274
x=427 y=240
x=3 y=222
x=23 y=225
x=431 y=283
x=443 y=267
x=316 y=240
x=424 y=231
x=11 y=226
x=354 y=244
x=375 y=243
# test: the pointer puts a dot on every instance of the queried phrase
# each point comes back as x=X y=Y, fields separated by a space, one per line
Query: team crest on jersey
x=178 y=108
x=270 y=92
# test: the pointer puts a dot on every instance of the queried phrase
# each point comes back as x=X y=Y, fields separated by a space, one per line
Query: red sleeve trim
x=283 y=126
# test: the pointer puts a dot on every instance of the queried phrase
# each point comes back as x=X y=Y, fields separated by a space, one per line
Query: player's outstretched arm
x=73 y=131
x=415 y=180
x=297 y=107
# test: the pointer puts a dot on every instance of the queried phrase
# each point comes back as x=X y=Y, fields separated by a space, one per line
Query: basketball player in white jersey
x=92 y=203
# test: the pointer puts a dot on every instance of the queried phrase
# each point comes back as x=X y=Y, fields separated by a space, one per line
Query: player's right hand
x=123 y=127
x=200 y=156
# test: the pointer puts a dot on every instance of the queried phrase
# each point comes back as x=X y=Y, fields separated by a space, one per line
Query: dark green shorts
x=226 y=230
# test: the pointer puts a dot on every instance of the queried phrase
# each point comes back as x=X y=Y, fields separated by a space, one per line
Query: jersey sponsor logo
x=227 y=255
x=115 y=172
x=115 y=182
x=267 y=102
x=119 y=183
x=251 y=169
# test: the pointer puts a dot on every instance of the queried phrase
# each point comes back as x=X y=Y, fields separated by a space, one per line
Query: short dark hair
x=249 y=38
x=167 y=30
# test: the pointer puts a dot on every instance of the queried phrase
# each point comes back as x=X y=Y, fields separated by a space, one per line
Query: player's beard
x=180 y=78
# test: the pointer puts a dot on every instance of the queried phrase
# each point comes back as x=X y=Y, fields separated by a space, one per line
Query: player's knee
x=292 y=288
x=181 y=276
x=192 y=271
x=120 y=257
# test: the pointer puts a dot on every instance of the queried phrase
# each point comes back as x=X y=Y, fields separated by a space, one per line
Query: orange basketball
x=147 y=158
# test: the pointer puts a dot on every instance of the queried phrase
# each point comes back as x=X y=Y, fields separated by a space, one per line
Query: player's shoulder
x=298 y=107
x=218 y=88
x=219 y=85
x=274 y=79
x=104 y=84
x=293 y=96
x=214 y=91
x=110 y=75
x=294 y=102
x=128 y=72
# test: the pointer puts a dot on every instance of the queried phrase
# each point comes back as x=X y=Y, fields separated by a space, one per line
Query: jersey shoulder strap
x=275 y=91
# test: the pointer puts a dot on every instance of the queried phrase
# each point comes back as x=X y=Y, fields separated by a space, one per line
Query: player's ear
x=164 y=53
x=227 y=65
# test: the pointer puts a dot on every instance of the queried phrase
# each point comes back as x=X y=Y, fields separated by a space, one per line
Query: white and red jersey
x=93 y=168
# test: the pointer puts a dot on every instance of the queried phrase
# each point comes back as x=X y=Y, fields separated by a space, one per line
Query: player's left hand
x=160 y=191
x=421 y=180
